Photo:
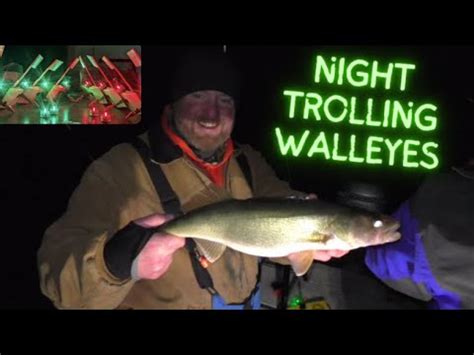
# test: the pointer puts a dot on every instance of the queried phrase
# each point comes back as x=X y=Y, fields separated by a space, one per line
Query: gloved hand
x=157 y=255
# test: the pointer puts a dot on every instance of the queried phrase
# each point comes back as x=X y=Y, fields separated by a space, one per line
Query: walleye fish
x=276 y=227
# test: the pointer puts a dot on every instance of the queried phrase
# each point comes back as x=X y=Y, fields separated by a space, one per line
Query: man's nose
x=213 y=109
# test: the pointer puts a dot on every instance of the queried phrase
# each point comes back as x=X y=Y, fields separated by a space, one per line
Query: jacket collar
x=163 y=150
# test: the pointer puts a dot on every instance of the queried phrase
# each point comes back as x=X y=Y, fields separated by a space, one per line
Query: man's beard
x=210 y=156
x=212 y=153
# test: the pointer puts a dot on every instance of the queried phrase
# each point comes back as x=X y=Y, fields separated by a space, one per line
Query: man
x=99 y=253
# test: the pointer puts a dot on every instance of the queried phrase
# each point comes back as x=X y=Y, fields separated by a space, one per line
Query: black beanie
x=201 y=69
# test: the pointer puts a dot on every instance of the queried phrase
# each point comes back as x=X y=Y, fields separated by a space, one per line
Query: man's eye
x=226 y=100
x=197 y=95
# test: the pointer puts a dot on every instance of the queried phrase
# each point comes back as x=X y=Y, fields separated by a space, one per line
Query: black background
x=41 y=165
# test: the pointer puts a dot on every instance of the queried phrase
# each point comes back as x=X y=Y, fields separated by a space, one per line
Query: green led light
x=371 y=148
x=407 y=152
x=352 y=157
x=290 y=143
x=392 y=148
x=25 y=84
x=329 y=72
x=385 y=119
x=44 y=112
x=420 y=120
x=329 y=114
x=66 y=115
x=369 y=121
x=386 y=112
x=405 y=116
x=320 y=145
x=312 y=102
x=362 y=76
x=381 y=74
x=342 y=63
x=45 y=84
x=403 y=78
x=296 y=301
x=66 y=83
x=294 y=95
x=352 y=118
x=336 y=108
x=335 y=156
x=54 y=108
x=435 y=160
x=360 y=72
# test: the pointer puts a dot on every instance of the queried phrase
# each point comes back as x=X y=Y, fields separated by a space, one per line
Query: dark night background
x=41 y=165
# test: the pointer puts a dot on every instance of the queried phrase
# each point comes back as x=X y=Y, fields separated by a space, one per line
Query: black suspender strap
x=203 y=277
x=171 y=205
x=245 y=167
x=168 y=198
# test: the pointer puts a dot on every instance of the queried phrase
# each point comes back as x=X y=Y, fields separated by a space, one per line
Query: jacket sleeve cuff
x=123 y=248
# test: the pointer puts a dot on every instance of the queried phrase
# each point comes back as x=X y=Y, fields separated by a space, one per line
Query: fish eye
x=378 y=224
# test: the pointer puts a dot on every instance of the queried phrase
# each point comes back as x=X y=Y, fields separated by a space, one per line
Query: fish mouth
x=393 y=237
x=392 y=228
x=389 y=234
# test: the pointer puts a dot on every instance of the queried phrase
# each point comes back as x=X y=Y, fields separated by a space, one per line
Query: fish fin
x=210 y=250
x=301 y=262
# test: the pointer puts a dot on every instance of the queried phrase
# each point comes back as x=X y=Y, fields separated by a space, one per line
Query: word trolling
x=410 y=121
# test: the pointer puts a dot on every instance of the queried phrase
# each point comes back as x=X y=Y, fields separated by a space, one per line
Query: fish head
x=362 y=229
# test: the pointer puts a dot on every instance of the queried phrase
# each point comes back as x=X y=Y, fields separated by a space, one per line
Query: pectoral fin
x=301 y=262
x=210 y=250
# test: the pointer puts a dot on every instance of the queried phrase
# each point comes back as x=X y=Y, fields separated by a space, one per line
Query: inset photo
x=70 y=84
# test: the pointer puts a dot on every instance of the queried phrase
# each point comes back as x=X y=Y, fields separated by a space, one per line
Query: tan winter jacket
x=115 y=190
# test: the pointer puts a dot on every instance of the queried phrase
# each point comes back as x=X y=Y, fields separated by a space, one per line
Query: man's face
x=205 y=119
